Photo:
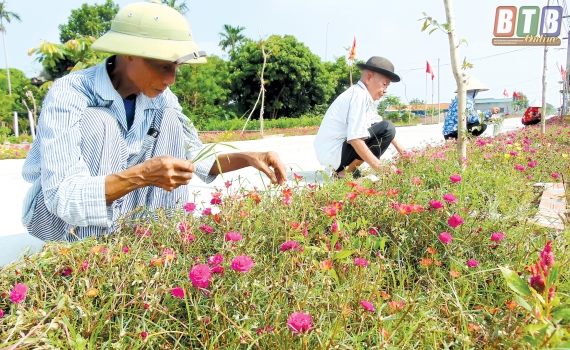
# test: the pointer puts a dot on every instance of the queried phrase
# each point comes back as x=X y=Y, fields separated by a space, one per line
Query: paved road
x=296 y=152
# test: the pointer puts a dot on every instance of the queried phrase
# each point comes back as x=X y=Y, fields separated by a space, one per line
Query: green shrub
x=394 y=117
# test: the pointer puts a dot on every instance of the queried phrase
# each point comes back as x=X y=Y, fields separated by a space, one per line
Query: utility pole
x=438 y=104
x=544 y=70
x=566 y=77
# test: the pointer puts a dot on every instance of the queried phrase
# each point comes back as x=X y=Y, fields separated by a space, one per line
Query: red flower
x=218 y=269
x=367 y=305
x=547 y=256
x=435 y=204
x=360 y=262
x=242 y=263
x=233 y=236
x=455 y=220
x=200 y=276
x=416 y=180
x=289 y=245
x=450 y=198
x=351 y=196
x=144 y=335
x=297 y=177
x=177 y=292
x=18 y=293
x=330 y=211
x=472 y=263
x=300 y=322
x=455 y=178
x=497 y=237
x=206 y=228
x=189 y=207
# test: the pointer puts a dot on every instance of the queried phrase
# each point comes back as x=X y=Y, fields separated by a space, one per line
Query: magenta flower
x=18 y=293
x=289 y=245
x=200 y=276
x=455 y=178
x=373 y=231
x=445 y=237
x=450 y=198
x=125 y=250
x=531 y=164
x=177 y=292
x=189 y=207
x=182 y=226
x=242 y=263
x=436 y=204
x=334 y=226
x=1 y=313
x=300 y=322
x=367 y=305
x=455 y=220
x=216 y=259
x=233 y=236
x=218 y=269
x=85 y=265
x=360 y=262
x=206 y=228
x=497 y=236
x=330 y=211
x=207 y=211
x=188 y=238
x=472 y=263
x=537 y=282
x=547 y=256
x=555 y=175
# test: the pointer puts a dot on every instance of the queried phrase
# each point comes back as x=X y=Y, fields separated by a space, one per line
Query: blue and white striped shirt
x=55 y=164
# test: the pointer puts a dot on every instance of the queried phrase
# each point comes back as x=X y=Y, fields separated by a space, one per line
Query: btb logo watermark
x=527 y=26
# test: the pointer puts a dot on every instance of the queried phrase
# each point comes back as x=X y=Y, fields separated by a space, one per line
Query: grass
x=124 y=291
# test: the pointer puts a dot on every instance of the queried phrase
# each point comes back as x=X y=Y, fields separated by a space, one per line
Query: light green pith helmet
x=150 y=30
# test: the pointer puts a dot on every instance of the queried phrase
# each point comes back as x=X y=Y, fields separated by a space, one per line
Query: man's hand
x=262 y=161
x=167 y=172
x=164 y=172
x=265 y=161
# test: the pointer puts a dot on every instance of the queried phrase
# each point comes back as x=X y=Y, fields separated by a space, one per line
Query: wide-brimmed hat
x=473 y=84
x=151 y=30
x=380 y=65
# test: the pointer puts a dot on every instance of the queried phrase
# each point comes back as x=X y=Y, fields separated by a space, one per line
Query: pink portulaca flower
x=555 y=175
x=455 y=220
x=455 y=178
x=183 y=227
x=300 y=322
x=531 y=164
x=450 y=198
x=177 y=292
x=497 y=236
x=200 y=276
x=367 y=305
x=435 y=204
x=242 y=263
x=1 y=313
x=360 y=262
x=218 y=269
x=188 y=238
x=233 y=236
x=215 y=260
x=189 y=207
x=289 y=245
x=18 y=293
x=445 y=237
x=330 y=211
x=472 y=263
x=207 y=211
x=206 y=228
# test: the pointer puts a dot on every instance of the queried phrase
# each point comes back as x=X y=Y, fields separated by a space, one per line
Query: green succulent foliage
x=88 y=20
x=295 y=78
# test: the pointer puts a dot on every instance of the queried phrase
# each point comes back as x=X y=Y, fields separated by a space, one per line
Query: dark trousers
x=381 y=135
x=470 y=126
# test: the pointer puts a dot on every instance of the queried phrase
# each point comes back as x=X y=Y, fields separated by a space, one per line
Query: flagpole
x=432 y=99
x=425 y=103
x=438 y=105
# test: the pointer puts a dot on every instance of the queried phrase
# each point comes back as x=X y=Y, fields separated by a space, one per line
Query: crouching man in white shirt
x=352 y=132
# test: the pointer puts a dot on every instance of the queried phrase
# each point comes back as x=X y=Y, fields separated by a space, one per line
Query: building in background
x=484 y=104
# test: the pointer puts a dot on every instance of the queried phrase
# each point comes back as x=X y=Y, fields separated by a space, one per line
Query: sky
x=382 y=28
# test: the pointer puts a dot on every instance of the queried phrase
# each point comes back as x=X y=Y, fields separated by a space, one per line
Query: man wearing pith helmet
x=113 y=137
x=352 y=132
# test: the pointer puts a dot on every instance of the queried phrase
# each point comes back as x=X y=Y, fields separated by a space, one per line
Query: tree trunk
x=6 y=55
x=459 y=79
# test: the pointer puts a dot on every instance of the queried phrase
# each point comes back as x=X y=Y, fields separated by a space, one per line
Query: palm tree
x=7 y=16
x=182 y=7
x=230 y=37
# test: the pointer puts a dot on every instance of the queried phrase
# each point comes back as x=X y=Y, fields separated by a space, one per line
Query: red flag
x=352 y=52
x=562 y=72
x=516 y=95
x=505 y=93
x=429 y=70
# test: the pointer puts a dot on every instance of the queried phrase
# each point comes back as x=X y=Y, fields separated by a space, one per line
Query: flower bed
x=408 y=262
x=14 y=151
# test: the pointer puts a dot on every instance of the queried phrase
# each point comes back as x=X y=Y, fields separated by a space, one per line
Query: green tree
x=520 y=103
x=203 y=90
x=231 y=37
x=15 y=102
x=7 y=16
x=88 y=20
x=61 y=59
x=295 y=79
x=181 y=7
x=340 y=72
